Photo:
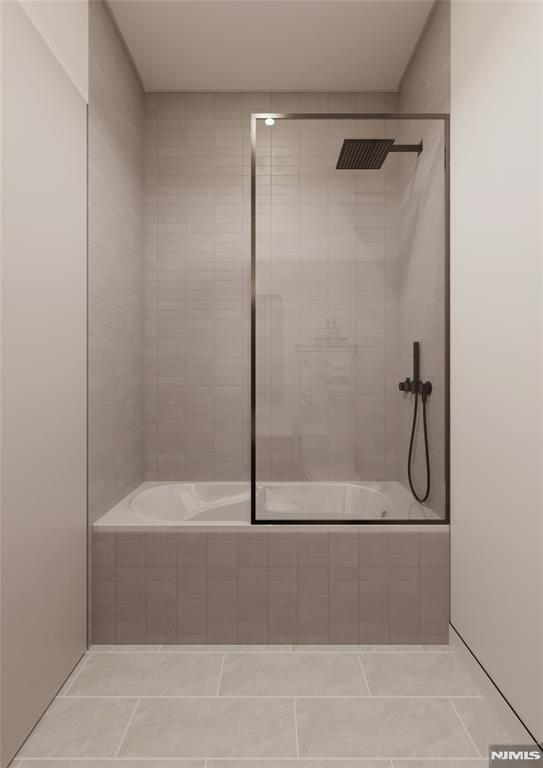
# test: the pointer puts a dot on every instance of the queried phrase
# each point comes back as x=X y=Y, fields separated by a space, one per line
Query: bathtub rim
x=149 y=526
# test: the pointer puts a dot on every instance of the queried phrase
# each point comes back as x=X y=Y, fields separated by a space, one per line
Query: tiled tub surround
x=116 y=267
x=266 y=707
x=296 y=585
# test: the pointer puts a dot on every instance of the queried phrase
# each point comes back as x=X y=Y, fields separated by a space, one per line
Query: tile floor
x=265 y=707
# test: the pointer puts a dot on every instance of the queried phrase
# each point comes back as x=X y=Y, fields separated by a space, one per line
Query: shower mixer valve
x=423 y=388
x=415 y=385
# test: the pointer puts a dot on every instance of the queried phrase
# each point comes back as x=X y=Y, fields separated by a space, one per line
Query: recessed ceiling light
x=269 y=121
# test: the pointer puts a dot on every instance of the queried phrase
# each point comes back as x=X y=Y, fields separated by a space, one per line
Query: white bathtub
x=228 y=504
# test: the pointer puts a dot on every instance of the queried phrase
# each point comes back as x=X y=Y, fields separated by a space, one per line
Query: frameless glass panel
x=350 y=271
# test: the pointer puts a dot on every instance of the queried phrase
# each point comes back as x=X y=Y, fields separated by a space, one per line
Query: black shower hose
x=426 y=448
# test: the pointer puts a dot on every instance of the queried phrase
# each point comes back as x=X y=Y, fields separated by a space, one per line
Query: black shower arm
x=406 y=148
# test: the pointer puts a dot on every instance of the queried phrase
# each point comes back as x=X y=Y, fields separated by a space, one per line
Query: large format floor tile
x=421 y=674
x=231 y=706
x=440 y=763
x=357 y=648
x=292 y=674
x=380 y=727
x=125 y=648
x=482 y=724
x=80 y=728
x=444 y=648
x=148 y=674
x=97 y=763
x=353 y=648
x=211 y=727
x=299 y=763
x=224 y=648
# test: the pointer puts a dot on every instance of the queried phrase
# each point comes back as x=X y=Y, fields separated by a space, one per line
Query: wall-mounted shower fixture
x=370 y=154
x=424 y=389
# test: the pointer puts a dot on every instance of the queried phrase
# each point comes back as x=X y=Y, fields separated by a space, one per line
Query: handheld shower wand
x=424 y=389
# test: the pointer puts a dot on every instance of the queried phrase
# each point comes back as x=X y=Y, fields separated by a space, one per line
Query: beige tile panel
x=125 y=648
x=292 y=674
x=149 y=674
x=354 y=648
x=300 y=763
x=379 y=727
x=211 y=727
x=440 y=763
x=225 y=648
x=422 y=674
x=481 y=723
x=80 y=728
x=98 y=763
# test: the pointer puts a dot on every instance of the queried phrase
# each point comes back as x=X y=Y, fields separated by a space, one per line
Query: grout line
x=464 y=726
x=127 y=727
x=220 y=675
x=264 y=760
x=75 y=676
x=296 y=728
x=285 y=696
x=287 y=649
x=364 y=674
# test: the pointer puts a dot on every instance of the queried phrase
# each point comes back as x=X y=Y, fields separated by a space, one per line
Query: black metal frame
x=350 y=116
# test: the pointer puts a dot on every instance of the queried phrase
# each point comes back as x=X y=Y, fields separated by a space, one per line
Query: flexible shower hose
x=426 y=448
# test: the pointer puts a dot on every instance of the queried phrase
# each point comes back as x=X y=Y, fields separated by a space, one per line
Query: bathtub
x=180 y=563
x=164 y=504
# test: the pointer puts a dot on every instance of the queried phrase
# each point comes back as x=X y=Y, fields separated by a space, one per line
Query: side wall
x=496 y=311
x=116 y=213
x=43 y=383
x=426 y=83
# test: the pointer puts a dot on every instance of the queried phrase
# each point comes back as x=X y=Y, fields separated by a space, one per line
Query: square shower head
x=363 y=154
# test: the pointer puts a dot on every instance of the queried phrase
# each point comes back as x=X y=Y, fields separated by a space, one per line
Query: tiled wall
x=358 y=586
x=197 y=279
x=197 y=284
x=421 y=243
x=116 y=267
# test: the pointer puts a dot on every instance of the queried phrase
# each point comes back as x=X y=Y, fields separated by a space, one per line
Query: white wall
x=64 y=25
x=496 y=310
x=43 y=382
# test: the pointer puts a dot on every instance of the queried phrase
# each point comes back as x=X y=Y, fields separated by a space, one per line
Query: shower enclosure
x=349 y=269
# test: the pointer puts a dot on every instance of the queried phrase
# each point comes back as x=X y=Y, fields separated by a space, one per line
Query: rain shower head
x=370 y=154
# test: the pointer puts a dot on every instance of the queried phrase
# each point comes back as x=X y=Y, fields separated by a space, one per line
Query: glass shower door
x=328 y=253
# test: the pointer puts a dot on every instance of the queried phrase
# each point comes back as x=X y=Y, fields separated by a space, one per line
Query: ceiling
x=271 y=45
